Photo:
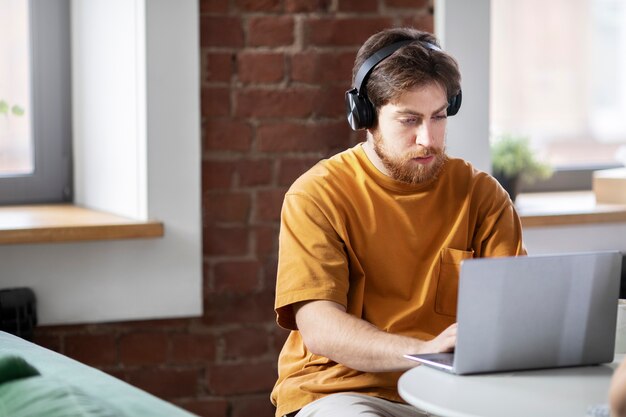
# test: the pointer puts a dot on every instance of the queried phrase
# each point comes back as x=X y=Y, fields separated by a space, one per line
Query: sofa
x=37 y=382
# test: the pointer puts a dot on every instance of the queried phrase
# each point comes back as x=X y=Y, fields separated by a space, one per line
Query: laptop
x=532 y=312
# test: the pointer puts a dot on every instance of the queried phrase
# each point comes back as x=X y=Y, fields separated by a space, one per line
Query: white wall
x=129 y=279
x=463 y=28
x=576 y=238
x=109 y=105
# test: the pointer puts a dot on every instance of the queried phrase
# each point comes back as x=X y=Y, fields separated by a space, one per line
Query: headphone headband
x=374 y=60
x=360 y=111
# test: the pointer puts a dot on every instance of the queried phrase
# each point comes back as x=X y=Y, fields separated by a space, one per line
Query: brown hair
x=413 y=65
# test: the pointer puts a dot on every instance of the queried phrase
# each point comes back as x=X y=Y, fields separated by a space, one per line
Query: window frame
x=51 y=120
x=567 y=178
x=572 y=176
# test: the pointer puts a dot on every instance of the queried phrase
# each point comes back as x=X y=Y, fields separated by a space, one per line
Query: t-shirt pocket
x=448 y=280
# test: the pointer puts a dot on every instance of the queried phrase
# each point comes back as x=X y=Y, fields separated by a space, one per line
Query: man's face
x=410 y=137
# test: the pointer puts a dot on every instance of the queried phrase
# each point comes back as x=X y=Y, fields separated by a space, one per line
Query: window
x=559 y=78
x=15 y=133
x=35 y=113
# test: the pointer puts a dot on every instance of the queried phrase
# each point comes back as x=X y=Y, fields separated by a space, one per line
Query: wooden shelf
x=566 y=208
x=69 y=223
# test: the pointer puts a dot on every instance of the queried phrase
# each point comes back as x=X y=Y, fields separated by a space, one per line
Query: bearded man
x=371 y=239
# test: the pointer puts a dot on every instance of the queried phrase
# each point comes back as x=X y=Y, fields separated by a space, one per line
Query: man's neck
x=368 y=147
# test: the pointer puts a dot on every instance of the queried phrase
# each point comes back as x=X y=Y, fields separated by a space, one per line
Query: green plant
x=512 y=157
x=15 y=109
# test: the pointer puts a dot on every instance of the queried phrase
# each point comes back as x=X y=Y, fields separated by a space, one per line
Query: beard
x=403 y=168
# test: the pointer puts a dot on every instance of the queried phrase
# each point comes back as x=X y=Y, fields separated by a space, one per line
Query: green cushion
x=13 y=367
x=42 y=396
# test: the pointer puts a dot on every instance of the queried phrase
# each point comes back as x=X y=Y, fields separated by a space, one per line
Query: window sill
x=566 y=208
x=69 y=223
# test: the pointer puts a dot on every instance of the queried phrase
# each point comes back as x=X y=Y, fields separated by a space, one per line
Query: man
x=617 y=389
x=372 y=238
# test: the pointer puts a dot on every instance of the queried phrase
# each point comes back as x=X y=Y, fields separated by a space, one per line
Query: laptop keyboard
x=598 y=410
x=446 y=360
x=442 y=358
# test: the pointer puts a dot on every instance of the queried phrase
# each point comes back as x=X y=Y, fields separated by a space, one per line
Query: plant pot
x=510 y=184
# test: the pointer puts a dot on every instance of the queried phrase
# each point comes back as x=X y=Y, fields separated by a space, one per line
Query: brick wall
x=273 y=77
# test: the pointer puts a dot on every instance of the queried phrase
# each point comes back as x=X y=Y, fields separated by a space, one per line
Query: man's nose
x=423 y=134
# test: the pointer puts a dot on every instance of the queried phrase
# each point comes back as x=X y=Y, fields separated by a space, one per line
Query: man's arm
x=617 y=392
x=329 y=331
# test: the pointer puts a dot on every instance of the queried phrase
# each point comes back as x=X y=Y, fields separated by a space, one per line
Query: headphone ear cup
x=454 y=104
x=359 y=110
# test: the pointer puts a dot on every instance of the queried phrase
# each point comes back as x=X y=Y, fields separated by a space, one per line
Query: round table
x=567 y=392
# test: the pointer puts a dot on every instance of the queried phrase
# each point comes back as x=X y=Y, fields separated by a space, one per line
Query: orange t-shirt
x=387 y=251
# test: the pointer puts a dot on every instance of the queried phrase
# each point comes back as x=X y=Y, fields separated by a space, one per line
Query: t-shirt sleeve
x=312 y=260
x=499 y=229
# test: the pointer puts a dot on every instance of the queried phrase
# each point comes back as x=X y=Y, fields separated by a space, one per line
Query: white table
x=566 y=392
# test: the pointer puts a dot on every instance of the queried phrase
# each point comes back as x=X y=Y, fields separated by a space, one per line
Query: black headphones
x=359 y=110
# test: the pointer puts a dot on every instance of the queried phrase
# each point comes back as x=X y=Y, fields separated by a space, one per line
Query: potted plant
x=6 y=135
x=514 y=162
x=15 y=109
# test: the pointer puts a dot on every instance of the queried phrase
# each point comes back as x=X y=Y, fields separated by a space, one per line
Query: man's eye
x=410 y=121
x=440 y=116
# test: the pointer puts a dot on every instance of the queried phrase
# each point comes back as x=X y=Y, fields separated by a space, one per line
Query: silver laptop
x=532 y=312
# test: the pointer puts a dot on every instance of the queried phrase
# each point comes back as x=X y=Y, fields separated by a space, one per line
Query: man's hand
x=617 y=392
x=328 y=330
x=444 y=342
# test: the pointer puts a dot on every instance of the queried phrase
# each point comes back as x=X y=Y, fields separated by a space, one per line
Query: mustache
x=424 y=152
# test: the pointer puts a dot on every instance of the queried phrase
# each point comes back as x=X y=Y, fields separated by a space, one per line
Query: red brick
x=166 y=383
x=207 y=274
x=52 y=342
x=424 y=22
x=292 y=168
x=295 y=102
x=227 y=135
x=260 y=67
x=227 y=207
x=257 y=406
x=213 y=6
x=225 y=241
x=323 y=68
x=358 y=5
x=152 y=325
x=251 y=378
x=270 y=31
x=217 y=174
x=254 y=172
x=215 y=101
x=304 y=6
x=92 y=349
x=259 y=5
x=240 y=277
x=192 y=348
x=246 y=343
x=280 y=336
x=342 y=31
x=302 y=137
x=143 y=348
x=205 y=407
x=266 y=240
x=269 y=203
x=232 y=308
x=218 y=66
x=221 y=31
x=59 y=329
x=115 y=373
x=270 y=269
x=330 y=102
x=412 y=4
